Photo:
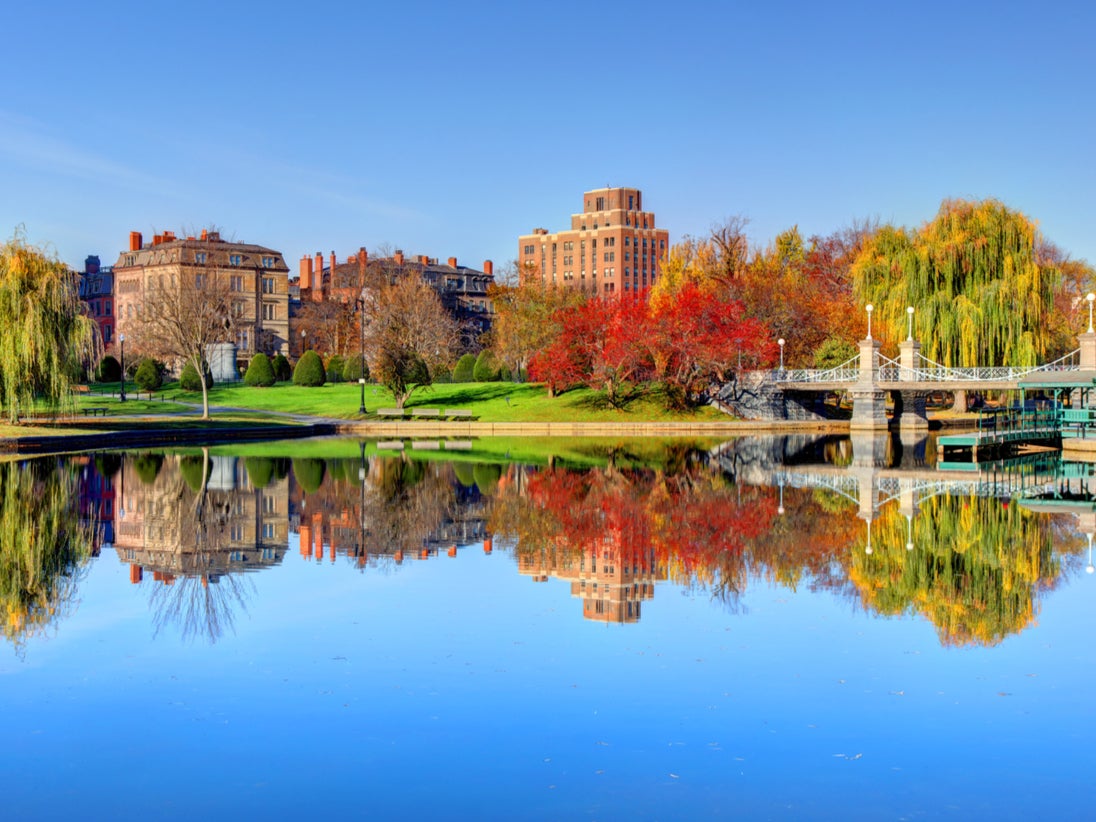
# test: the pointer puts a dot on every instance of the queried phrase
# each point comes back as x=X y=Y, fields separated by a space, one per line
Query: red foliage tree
x=602 y=345
x=697 y=339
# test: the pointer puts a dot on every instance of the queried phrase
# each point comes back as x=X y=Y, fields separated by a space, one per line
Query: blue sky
x=451 y=129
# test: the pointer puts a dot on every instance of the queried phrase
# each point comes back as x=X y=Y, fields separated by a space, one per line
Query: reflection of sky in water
x=458 y=688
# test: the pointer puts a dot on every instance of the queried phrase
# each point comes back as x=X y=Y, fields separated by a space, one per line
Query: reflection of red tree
x=639 y=524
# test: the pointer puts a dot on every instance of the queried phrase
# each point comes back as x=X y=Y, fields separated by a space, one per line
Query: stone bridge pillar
x=909 y=405
x=869 y=410
x=1088 y=351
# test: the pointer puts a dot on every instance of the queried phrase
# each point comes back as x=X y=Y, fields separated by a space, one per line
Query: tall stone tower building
x=612 y=246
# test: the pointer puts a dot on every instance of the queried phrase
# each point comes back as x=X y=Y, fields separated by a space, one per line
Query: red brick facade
x=612 y=247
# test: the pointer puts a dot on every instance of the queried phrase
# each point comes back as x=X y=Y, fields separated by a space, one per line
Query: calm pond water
x=764 y=628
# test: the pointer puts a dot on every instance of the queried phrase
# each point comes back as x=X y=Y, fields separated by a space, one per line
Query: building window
x=268 y=262
x=107 y=333
x=530 y=250
x=268 y=311
x=243 y=337
x=200 y=257
x=235 y=259
x=268 y=285
x=237 y=309
x=237 y=282
x=600 y=204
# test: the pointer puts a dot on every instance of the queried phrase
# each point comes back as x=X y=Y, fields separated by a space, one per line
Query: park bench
x=423 y=413
x=391 y=412
x=459 y=414
x=95 y=410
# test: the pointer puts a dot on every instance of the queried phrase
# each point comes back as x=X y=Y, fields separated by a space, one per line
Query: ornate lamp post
x=909 y=313
x=869 y=307
x=780 y=342
x=122 y=393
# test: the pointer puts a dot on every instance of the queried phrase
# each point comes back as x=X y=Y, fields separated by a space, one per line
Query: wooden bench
x=95 y=410
x=420 y=413
x=81 y=390
x=391 y=412
x=459 y=414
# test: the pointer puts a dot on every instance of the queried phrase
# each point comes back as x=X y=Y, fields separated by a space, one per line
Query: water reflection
x=44 y=544
x=869 y=520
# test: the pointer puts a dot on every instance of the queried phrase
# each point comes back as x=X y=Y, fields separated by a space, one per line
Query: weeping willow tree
x=970 y=565
x=46 y=341
x=43 y=546
x=982 y=291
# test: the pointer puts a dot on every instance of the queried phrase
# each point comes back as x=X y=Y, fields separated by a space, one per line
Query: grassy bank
x=489 y=402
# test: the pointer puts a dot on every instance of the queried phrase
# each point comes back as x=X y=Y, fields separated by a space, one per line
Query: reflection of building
x=96 y=503
x=611 y=581
x=612 y=247
x=356 y=519
x=164 y=527
x=257 y=277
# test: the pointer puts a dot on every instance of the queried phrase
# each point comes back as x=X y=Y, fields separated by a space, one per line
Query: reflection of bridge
x=871 y=482
x=869 y=378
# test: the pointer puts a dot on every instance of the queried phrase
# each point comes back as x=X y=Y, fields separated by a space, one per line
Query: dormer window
x=235 y=259
x=268 y=262
x=200 y=257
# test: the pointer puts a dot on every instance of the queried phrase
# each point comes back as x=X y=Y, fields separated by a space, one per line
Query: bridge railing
x=848 y=371
x=925 y=371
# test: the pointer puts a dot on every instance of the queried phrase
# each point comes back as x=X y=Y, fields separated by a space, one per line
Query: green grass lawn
x=490 y=402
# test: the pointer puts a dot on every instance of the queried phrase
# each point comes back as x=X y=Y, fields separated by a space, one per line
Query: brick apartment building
x=95 y=285
x=258 y=276
x=462 y=289
x=612 y=247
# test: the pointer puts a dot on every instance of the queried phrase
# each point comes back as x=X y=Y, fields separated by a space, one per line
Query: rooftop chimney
x=489 y=268
x=306 y=272
x=452 y=262
x=398 y=256
x=135 y=240
x=205 y=235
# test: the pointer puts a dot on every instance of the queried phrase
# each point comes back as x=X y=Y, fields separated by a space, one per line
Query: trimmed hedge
x=149 y=377
x=109 y=370
x=260 y=373
x=487 y=367
x=309 y=370
x=464 y=369
x=283 y=372
x=352 y=369
x=189 y=379
x=335 y=366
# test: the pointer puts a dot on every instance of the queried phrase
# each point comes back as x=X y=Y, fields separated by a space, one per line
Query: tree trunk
x=959 y=405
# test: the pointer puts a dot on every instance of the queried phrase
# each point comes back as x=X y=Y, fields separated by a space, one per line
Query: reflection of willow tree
x=974 y=569
x=198 y=608
x=197 y=521
x=43 y=545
